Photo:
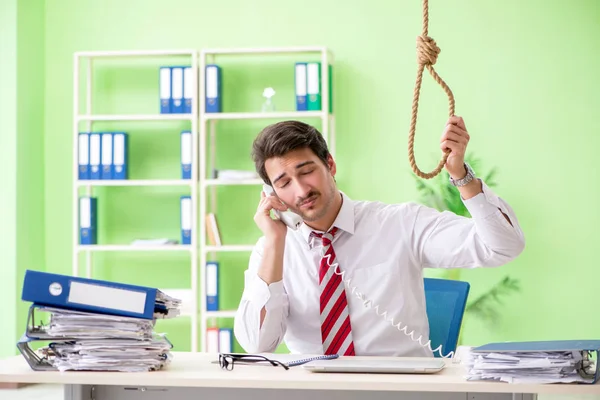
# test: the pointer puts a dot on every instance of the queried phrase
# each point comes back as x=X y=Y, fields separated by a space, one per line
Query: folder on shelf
x=225 y=340
x=97 y=296
x=186 y=155
x=212 y=340
x=300 y=83
x=88 y=220
x=176 y=90
x=120 y=155
x=164 y=83
x=213 y=88
x=212 y=285
x=188 y=89
x=314 y=81
x=84 y=156
x=95 y=156
x=186 y=219
x=561 y=361
x=212 y=230
x=107 y=156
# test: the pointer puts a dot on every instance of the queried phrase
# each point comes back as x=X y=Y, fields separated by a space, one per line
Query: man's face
x=303 y=182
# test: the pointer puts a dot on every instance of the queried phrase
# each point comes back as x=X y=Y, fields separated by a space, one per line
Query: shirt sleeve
x=446 y=240
x=257 y=294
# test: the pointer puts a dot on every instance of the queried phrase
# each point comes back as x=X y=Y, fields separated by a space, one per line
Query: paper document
x=530 y=367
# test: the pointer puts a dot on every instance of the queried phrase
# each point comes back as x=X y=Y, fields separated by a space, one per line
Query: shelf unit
x=207 y=130
x=84 y=120
x=203 y=127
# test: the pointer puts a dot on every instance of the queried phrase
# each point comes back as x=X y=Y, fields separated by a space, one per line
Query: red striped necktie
x=336 y=332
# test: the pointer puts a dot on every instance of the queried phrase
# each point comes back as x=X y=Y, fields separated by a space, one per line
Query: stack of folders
x=95 y=325
x=565 y=361
x=103 y=155
x=176 y=87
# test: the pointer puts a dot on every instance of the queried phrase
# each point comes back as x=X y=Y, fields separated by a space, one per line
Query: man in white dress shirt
x=295 y=294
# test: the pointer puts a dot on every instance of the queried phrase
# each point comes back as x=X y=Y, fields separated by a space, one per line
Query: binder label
x=107 y=297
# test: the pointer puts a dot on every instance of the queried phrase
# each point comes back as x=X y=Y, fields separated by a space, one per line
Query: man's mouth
x=309 y=203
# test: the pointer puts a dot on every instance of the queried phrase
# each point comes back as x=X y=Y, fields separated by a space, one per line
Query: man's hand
x=455 y=138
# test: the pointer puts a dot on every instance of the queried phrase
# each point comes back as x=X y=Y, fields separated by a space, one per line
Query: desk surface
x=196 y=370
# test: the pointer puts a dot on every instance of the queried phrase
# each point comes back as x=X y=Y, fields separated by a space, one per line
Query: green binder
x=313 y=72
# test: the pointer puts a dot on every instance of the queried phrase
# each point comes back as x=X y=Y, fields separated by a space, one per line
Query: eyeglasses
x=226 y=360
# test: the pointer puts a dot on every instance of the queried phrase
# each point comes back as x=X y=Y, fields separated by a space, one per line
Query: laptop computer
x=399 y=366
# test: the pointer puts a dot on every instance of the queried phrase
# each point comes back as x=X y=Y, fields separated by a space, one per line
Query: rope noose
x=427 y=53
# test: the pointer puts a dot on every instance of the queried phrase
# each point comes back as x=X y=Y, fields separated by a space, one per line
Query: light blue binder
x=300 y=81
x=186 y=154
x=583 y=346
x=214 y=90
x=84 y=156
x=177 y=90
x=88 y=220
x=212 y=286
x=186 y=219
x=120 y=155
x=107 y=156
x=95 y=156
x=188 y=89
x=164 y=88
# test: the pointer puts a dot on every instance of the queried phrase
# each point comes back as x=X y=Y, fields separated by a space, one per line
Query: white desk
x=193 y=376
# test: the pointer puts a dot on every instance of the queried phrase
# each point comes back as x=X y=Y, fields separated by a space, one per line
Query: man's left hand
x=455 y=138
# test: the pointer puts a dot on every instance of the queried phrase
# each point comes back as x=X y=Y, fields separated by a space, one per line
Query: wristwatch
x=466 y=179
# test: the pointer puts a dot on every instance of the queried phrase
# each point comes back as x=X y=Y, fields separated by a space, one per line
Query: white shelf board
x=137 y=53
x=267 y=50
x=136 y=182
x=220 y=314
x=136 y=117
x=226 y=182
x=262 y=115
x=128 y=247
x=228 y=248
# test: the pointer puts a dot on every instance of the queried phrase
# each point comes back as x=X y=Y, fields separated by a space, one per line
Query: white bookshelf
x=208 y=123
x=137 y=117
x=83 y=121
x=136 y=182
x=203 y=126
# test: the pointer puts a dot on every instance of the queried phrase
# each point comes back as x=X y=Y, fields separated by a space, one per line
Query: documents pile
x=88 y=332
x=533 y=362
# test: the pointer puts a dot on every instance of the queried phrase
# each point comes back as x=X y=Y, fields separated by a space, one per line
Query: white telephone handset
x=292 y=220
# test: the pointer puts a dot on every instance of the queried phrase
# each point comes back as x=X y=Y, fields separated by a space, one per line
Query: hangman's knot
x=427 y=50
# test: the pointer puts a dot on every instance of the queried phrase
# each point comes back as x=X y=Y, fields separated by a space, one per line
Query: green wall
x=522 y=74
x=22 y=163
x=8 y=166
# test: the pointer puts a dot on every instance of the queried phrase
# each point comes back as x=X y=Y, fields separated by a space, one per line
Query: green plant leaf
x=486 y=306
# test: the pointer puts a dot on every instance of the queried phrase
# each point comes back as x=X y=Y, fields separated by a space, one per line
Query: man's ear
x=331 y=164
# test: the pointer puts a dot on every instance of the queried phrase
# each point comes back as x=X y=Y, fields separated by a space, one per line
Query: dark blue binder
x=91 y=295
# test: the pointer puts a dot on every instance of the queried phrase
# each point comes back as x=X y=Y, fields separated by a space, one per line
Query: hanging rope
x=427 y=53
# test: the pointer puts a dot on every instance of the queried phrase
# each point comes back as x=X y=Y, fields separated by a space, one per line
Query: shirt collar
x=344 y=220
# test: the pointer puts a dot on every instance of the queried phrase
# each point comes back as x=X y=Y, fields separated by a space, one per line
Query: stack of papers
x=529 y=366
x=166 y=306
x=101 y=342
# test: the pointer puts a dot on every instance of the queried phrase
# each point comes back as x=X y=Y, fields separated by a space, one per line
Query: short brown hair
x=280 y=138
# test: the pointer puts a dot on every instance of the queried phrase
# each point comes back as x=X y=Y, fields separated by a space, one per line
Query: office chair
x=445 y=300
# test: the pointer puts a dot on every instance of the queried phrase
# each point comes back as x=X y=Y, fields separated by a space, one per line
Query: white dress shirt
x=383 y=249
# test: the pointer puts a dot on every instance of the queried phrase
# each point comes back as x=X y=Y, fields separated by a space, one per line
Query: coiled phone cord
x=368 y=303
